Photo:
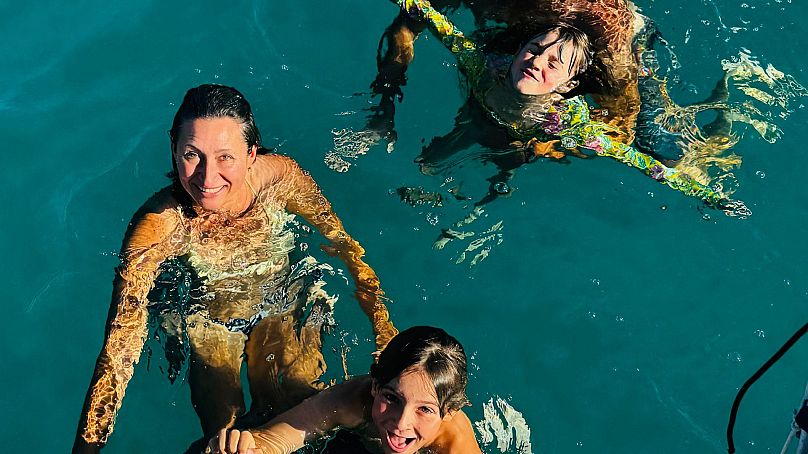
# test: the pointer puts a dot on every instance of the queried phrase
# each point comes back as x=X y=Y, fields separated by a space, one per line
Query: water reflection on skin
x=226 y=218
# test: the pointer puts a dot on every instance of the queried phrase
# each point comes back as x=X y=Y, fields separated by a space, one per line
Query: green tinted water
x=611 y=324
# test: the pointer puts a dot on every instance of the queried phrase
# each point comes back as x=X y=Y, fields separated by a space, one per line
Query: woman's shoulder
x=272 y=168
x=158 y=216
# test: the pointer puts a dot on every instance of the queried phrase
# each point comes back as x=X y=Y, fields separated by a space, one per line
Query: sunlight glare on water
x=606 y=312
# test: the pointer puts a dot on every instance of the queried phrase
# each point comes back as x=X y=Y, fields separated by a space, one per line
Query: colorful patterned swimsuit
x=567 y=120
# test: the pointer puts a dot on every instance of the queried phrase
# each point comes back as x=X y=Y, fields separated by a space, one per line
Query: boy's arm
x=339 y=406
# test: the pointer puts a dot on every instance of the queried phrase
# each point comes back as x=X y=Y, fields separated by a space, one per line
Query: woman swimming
x=411 y=400
x=224 y=221
x=526 y=97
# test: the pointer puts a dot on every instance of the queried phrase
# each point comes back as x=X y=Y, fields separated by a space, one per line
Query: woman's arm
x=303 y=197
x=144 y=248
x=341 y=405
x=470 y=59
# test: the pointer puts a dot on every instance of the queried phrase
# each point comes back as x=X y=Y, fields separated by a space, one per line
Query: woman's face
x=542 y=66
x=212 y=160
x=406 y=412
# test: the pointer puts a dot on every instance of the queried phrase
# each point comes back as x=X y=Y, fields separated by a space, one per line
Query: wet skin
x=406 y=413
x=543 y=66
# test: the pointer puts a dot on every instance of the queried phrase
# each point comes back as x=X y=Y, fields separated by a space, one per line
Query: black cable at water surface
x=734 y=412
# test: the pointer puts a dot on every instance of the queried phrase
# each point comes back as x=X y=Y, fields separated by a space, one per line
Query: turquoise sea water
x=612 y=324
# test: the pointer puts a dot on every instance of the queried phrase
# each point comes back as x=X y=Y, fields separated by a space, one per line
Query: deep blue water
x=611 y=324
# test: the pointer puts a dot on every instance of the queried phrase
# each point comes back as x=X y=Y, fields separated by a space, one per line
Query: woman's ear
x=374 y=387
x=253 y=154
x=566 y=87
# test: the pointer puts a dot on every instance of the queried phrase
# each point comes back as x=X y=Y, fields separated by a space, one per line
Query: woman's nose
x=209 y=171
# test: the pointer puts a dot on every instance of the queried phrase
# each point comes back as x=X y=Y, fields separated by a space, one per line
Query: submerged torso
x=231 y=269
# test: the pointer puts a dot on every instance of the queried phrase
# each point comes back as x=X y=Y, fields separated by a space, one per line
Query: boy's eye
x=225 y=157
x=427 y=410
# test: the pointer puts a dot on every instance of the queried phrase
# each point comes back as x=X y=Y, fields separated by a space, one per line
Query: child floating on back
x=524 y=94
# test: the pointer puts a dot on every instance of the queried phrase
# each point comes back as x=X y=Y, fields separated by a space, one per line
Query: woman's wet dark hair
x=435 y=352
x=212 y=101
x=216 y=101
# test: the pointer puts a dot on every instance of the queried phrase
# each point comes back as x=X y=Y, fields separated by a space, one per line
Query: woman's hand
x=232 y=442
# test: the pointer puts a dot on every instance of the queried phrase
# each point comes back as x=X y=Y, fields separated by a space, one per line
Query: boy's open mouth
x=398 y=444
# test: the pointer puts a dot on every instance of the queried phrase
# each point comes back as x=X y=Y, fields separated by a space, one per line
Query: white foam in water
x=507 y=427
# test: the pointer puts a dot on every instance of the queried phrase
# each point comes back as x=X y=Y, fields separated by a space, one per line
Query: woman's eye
x=392 y=398
x=189 y=155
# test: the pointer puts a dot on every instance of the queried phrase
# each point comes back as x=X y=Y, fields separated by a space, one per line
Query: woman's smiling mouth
x=206 y=192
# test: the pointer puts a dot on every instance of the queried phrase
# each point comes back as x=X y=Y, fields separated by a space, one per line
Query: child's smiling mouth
x=397 y=443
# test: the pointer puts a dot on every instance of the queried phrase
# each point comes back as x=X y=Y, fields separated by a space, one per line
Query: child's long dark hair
x=579 y=29
x=435 y=352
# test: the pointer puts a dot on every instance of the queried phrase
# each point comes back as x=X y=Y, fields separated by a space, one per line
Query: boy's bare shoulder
x=456 y=436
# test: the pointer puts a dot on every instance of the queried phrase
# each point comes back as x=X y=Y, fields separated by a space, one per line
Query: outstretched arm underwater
x=303 y=197
x=569 y=120
x=146 y=245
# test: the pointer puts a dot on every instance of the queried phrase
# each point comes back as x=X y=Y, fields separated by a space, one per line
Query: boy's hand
x=231 y=442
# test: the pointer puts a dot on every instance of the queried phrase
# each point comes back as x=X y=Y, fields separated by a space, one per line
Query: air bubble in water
x=502 y=188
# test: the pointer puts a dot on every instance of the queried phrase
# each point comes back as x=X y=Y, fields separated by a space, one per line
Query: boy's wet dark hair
x=435 y=352
x=216 y=101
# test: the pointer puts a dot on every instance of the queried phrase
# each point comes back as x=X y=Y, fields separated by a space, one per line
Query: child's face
x=543 y=66
x=406 y=412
